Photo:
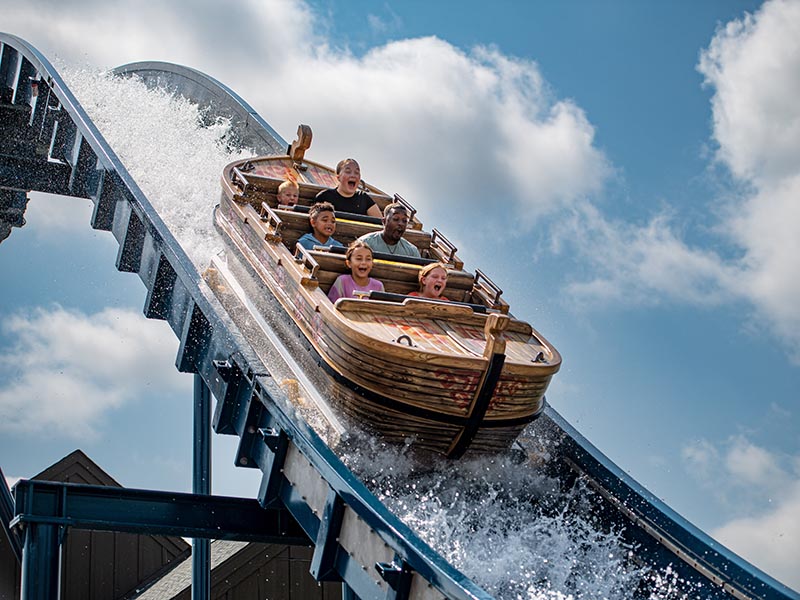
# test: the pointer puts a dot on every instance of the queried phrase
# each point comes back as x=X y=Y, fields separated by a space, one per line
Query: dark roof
x=76 y=467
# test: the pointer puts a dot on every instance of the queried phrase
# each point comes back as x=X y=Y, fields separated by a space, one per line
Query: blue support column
x=201 y=484
x=41 y=563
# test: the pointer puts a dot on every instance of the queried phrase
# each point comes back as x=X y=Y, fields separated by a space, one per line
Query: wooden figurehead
x=298 y=147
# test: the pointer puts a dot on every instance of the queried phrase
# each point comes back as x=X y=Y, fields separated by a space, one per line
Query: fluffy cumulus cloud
x=641 y=264
x=65 y=370
x=469 y=125
x=752 y=65
x=769 y=539
x=763 y=489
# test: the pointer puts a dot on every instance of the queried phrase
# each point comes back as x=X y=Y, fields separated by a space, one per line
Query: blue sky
x=628 y=173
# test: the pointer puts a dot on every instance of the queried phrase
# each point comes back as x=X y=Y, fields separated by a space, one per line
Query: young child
x=323 y=225
x=432 y=281
x=288 y=193
x=359 y=260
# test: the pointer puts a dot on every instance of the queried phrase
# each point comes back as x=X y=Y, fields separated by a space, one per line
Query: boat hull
x=440 y=393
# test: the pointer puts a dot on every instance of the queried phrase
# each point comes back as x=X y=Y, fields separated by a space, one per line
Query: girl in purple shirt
x=359 y=259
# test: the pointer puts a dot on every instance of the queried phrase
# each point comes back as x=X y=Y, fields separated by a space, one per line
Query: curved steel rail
x=384 y=558
x=212 y=346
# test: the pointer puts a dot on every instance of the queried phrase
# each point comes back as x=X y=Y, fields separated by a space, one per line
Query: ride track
x=307 y=495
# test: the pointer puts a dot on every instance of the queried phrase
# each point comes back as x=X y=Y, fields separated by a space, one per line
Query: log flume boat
x=444 y=376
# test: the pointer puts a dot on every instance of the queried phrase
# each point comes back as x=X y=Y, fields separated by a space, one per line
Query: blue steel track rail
x=252 y=407
x=249 y=403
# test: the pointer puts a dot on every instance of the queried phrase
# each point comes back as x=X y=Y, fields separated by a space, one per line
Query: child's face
x=288 y=196
x=324 y=225
x=360 y=263
x=349 y=178
x=433 y=283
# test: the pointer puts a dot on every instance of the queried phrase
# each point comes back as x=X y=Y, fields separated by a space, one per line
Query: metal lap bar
x=411 y=210
x=237 y=177
x=303 y=255
x=447 y=248
x=273 y=221
x=482 y=282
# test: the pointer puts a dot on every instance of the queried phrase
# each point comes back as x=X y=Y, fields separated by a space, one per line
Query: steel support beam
x=104 y=508
x=201 y=485
x=41 y=562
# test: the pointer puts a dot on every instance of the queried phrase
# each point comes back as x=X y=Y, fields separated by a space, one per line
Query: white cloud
x=741 y=474
x=753 y=65
x=472 y=127
x=752 y=465
x=747 y=479
x=701 y=456
x=389 y=21
x=646 y=264
x=66 y=371
x=770 y=540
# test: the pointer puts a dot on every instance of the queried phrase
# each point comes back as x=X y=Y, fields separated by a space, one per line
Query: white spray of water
x=505 y=525
x=160 y=139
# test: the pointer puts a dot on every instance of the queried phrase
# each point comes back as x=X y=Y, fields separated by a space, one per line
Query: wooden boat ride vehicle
x=449 y=375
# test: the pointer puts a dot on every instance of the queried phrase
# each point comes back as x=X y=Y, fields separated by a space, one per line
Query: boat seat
x=291 y=224
x=342 y=215
x=412 y=260
x=397 y=276
x=259 y=188
x=400 y=298
x=294 y=223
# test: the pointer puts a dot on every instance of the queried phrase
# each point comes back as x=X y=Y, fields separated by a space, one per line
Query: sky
x=627 y=172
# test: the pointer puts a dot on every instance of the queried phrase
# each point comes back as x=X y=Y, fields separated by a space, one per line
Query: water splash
x=168 y=146
x=506 y=524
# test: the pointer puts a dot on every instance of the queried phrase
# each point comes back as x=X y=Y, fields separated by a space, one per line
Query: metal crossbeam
x=105 y=508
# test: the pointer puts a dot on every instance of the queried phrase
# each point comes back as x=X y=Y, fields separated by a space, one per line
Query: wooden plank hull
x=432 y=391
